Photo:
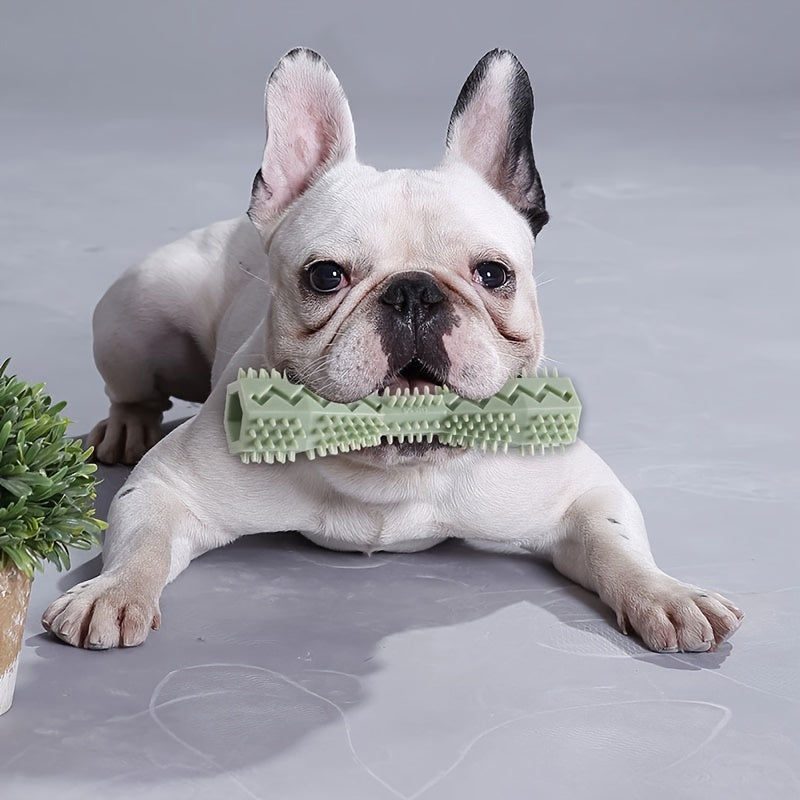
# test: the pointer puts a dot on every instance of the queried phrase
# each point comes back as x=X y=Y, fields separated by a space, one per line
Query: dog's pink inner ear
x=481 y=137
x=309 y=129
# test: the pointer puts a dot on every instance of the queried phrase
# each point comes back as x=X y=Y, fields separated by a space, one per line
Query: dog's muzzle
x=415 y=316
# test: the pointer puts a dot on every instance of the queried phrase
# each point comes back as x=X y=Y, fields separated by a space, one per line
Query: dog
x=353 y=280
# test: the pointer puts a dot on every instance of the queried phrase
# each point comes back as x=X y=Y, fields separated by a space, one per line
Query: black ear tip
x=304 y=52
x=298 y=54
x=520 y=74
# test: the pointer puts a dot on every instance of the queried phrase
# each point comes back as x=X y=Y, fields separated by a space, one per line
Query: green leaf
x=17 y=486
x=19 y=560
x=5 y=432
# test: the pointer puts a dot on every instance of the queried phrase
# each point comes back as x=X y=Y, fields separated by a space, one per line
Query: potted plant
x=47 y=492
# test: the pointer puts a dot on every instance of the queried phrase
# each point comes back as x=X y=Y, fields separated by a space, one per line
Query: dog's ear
x=490 y=130
x=309 y=129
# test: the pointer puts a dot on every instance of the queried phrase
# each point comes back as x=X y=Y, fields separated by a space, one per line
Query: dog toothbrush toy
x=269 y=418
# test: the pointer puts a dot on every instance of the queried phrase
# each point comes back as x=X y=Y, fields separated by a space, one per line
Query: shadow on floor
x=269 y=639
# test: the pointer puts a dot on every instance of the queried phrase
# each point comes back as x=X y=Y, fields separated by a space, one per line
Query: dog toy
x=269 y=418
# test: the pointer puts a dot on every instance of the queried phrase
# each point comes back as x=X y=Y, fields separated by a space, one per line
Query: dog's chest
x=401 y=527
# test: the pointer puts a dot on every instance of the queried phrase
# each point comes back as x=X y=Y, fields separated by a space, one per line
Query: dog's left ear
x=490 y=130
x=309 y=130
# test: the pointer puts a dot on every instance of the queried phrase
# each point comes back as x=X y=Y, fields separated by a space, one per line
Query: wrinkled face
x=402 y=279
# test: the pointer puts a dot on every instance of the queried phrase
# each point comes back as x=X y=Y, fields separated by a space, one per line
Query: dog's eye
x=326 y=277
x=490 y=274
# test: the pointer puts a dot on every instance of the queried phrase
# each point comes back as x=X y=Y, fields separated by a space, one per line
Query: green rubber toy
x=268 y=418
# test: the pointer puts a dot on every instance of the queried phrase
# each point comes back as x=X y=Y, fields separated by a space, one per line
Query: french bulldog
x=353 y=280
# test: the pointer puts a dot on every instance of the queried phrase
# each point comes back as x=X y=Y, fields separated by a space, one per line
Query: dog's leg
x=604 y=547
x=143 y=365
x=155 y=332
x=145 y=356
x=151 y=538
x=167 y=514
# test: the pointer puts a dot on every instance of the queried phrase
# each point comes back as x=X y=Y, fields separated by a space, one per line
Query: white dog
x=354 y=280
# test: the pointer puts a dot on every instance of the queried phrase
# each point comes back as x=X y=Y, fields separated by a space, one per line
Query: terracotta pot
x=15 y=591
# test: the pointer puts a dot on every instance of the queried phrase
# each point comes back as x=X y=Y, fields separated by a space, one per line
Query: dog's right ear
x=490 y=130
x=309 y=130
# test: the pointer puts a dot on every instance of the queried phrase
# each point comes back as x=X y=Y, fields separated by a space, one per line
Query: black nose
x=413 y=295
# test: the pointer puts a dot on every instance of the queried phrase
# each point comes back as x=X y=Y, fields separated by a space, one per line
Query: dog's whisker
x=316 y=365
x=551 y=360
x=225 y=352
x=252 y=274
x=547 y=363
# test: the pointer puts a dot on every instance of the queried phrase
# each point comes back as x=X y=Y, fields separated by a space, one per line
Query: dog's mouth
x=414 y=376
x=417 y=376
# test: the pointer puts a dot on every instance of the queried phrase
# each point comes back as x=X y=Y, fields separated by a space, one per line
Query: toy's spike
x=268 y=418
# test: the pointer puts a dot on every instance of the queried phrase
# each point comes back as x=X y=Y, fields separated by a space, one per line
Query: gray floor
x=669 y=290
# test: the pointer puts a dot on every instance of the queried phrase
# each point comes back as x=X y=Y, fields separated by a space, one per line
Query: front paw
x=672 y=617
x=104 y=612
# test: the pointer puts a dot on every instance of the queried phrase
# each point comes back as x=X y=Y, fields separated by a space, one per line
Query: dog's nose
x=412 y=295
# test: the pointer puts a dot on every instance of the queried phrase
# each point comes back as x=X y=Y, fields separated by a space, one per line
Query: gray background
x=124 y=125
x=668 y=137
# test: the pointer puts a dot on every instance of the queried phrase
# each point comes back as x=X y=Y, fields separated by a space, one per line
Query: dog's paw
x=128 y=433
x=102 y=613
x=672 y=617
